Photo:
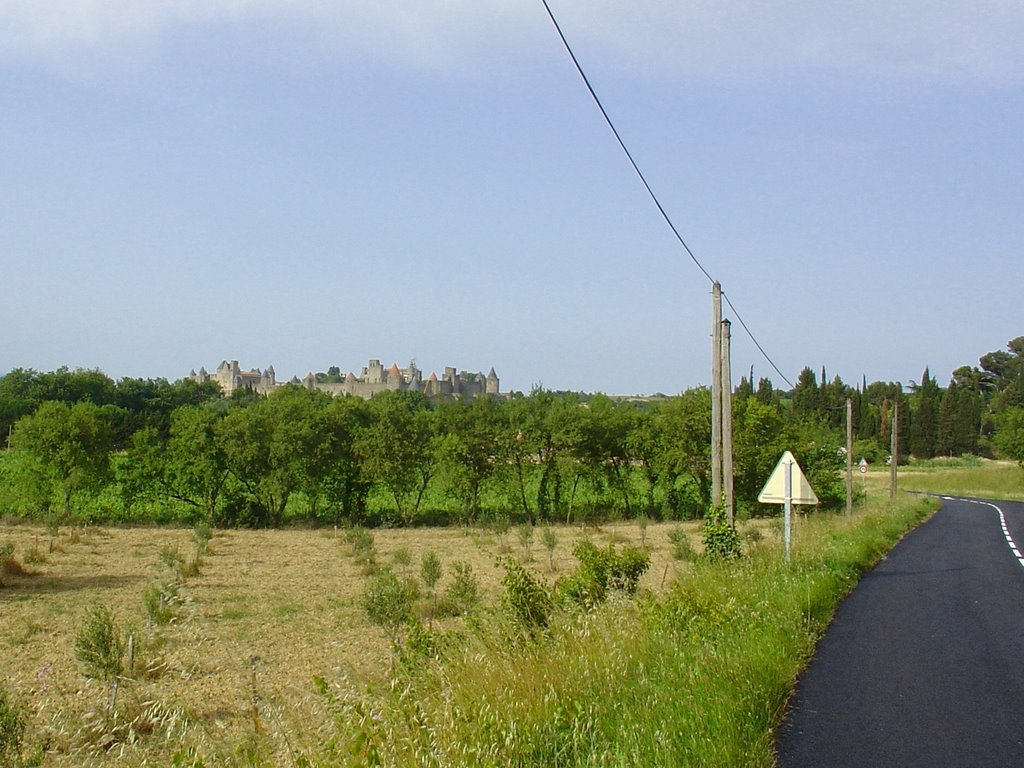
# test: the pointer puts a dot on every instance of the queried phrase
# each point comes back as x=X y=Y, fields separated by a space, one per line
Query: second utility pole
x=716 y=394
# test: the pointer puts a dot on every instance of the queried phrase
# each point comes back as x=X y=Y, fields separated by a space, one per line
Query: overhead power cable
x=650 y=191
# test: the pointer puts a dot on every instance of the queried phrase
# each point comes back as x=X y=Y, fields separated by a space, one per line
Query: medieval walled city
x=372 y=379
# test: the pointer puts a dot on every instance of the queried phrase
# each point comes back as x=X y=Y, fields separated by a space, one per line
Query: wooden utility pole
x=849 y=457
x=716 y=393
x=894 y=455
x=727 y=420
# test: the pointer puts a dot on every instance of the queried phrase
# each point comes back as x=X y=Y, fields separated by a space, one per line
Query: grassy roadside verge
x=698 y=676
x=980 y=478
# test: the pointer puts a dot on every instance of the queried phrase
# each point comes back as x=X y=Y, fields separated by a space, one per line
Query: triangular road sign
x=774 y=491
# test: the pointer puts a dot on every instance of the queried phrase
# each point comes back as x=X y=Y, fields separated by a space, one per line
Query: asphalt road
x=924 y=662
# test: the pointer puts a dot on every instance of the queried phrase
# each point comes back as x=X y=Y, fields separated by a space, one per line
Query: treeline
x=975 y=414
x=82 y=446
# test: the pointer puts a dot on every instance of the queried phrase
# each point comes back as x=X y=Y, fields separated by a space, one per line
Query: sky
x=308 y=184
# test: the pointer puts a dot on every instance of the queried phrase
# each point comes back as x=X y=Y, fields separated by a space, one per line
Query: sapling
x=641 y=522
x=526 y=539
x=550 y=540
x=403 y=559
x=100 y=648
x=430 y=572
x=463 y=591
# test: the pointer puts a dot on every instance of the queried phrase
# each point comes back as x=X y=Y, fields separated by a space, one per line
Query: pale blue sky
x=311 y=184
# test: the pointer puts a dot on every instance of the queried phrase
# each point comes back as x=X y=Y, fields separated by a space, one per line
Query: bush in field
x=463 y=594
x=360 y=542
x=602 y=570
x=430 y=572
x=527 y=599
x=526 y=539
x=403 y=559
x=170 y=556
x=721 y=540
x=202 y=533
x=388 y=601
x=550 y=540
x=183 y=566
x=101 y=649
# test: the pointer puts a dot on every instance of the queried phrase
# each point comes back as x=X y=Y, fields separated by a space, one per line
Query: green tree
x=398 y=448
x=759 y=438
x=332 y=474
x=70 y=446
x=195 y=468
x=924 y=417
x=540 y=437
x=267 y=447
x=1010 y=437
x=604 y=446
x=684 y=424
x=468 y=449
x=806 y=396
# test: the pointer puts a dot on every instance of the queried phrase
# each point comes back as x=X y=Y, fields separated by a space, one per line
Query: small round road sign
x=863 y=466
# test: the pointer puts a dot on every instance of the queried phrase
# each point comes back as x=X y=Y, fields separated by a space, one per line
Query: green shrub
x=402 y=558
x=361 y=544
x=387 y=601
x=99 y=645
x=642 y=521
x=202 y=533
x=430 y=570
x=526 y=539
x=601 y=570
x=170 y=556
x=527 y=600
x=721 y=540
x=463 y=593
x=550 y=540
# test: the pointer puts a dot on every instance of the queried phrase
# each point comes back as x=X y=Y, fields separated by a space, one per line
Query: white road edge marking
x=1006 y=532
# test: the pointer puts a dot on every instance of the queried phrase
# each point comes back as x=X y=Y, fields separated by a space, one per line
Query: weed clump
x=9 y=565
x=12 y=731
x=184 y=567
x=162 y=602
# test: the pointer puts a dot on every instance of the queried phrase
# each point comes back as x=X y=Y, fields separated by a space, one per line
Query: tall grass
x=698 y=676
x=979 y=478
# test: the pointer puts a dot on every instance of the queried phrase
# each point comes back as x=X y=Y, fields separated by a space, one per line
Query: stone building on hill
x=374 y=378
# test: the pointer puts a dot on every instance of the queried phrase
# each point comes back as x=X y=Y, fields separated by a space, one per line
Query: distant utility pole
x=716 y=393
x=727 y=420
x=894 y=457
x=849 y=457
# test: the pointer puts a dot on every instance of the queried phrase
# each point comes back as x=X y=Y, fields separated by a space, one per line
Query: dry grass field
x=266 y=612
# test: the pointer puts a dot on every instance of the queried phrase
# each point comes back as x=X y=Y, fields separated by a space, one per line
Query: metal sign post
x=787 y=486
x=788 y=515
